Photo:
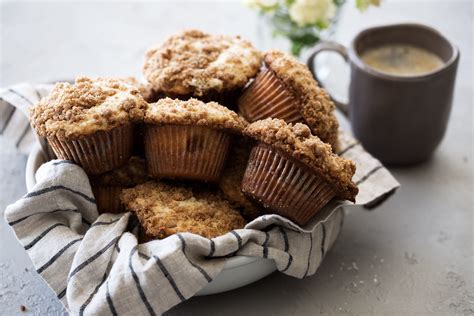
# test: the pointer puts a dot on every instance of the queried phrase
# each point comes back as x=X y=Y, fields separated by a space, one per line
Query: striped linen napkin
x=95 y=264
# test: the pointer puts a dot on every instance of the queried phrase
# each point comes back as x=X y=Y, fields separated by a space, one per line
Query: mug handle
x=333 y=47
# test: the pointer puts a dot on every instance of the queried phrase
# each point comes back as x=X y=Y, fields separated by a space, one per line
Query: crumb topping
x=148 y=92
x=297 y=141
x=196 y=63
x=132 y=173
x=232 y=175
x=316 y=107
x=164 y=210
x=88 y=106
x=193 y=112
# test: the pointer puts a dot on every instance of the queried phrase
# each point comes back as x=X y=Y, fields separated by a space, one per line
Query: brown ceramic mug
x=399 y=119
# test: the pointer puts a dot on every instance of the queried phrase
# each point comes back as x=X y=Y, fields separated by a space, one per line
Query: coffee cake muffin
x=231 y=179
x=188 y=139
x=285 y=89
x=293 y=173
x=148 y=92
x=164 y=210
x=204 y=66
x=108 y=186
x=90 y=122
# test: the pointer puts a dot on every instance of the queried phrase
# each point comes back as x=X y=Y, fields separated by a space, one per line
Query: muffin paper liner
x=268 y=97
x=186 y=151
x=108 y=199
x=284 y=185
x=99 y=152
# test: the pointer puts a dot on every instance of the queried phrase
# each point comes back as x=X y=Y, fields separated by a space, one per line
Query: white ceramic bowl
x=238 y=271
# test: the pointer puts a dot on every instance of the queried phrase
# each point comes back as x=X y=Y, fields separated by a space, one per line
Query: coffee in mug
x=402 y=60
x=401 y=89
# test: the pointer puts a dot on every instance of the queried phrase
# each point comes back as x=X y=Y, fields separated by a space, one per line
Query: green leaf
x=296 y=48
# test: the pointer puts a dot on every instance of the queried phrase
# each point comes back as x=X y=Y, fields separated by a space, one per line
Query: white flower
x=310 y=12
x=264 y=5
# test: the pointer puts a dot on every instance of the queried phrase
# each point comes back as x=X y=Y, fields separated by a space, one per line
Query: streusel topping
x=315 y=105
x=193 y=112
x=148 y=92
x=164 y=210
x=88 y=106
x=196 y=63
x=297 y=141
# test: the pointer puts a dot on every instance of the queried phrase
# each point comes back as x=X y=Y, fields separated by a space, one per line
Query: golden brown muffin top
x=298 y=142
x=232 y=175
x=164 y=210
x=148 y=92
x=132 y=173
x=195 y=63
x=316 y=107
x=88 y=106
x=193 y=112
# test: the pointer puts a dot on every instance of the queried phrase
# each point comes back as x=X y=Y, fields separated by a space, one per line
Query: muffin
x=285 y=89
x=148 y=92
x=293 y=173
x=208 y=67
x=90 y=122
x=164 y=210
x=231 y=179
x=108 y=186
x=188 y=139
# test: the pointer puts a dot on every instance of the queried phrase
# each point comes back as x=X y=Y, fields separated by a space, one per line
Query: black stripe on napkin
x=309 y=255
x=109 y=300
x=323 y=240
x=58 y=187
x=105 y=223
x=57 y=255
x=20 y=96
x=23 y=134
x=239 y=242
x=349 y=147
x=61 y=162
x=117 y=247
x=183 y=249
x=8 y=118
x=369 y=174
x=91 y=296
x=38 y=94
x=239 y=239
x=57 y=210
x=40 y=236
x=287 y=247
x=144 y=256
x=169 y=278
x=92 y=258
x=137 y=283
x=285 y=239
x=342 y=221
x=265 y=248
x=290 y=260
x=212 y=247
x=62 y=293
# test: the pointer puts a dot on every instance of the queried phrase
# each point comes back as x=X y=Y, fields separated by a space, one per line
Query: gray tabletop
x=412 y=255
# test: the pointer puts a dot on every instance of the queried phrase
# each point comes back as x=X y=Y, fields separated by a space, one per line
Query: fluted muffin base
x=99 y=152
x=186 y=151
x=284 y=185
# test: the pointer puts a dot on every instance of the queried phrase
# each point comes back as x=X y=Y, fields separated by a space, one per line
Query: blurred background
x=412 y=255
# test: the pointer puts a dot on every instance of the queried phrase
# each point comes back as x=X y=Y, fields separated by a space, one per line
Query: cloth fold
x=95 y=264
